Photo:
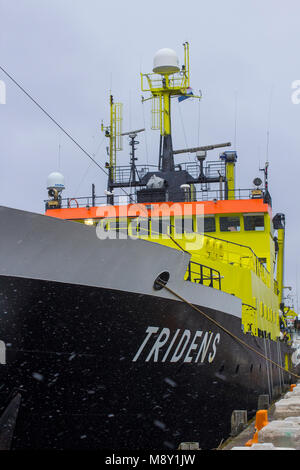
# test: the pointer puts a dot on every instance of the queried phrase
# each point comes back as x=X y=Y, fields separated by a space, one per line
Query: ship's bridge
x=226 y=224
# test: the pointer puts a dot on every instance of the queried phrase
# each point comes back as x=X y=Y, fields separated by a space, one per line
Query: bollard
x=238 y=421
x=263 y=402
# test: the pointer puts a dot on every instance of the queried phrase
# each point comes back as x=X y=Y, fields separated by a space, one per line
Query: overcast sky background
x=69 y=54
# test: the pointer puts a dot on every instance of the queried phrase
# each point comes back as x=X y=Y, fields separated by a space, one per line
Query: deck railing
x=131 y=197
x=205 y=275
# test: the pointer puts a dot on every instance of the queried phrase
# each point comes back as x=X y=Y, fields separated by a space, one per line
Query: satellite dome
x=165 y=61
x=56 y=181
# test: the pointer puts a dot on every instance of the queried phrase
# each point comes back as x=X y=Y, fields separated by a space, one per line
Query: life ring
x=73 y=199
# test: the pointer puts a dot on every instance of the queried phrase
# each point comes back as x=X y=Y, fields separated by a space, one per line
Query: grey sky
x=69 y=53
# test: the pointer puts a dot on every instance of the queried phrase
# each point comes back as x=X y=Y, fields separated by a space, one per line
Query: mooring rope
x=225 y=329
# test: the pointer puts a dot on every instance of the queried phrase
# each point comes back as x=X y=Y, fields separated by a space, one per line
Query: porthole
x=161 y=280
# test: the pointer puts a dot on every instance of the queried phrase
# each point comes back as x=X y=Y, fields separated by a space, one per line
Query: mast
x=114 y=133
x=167 y=80
x=166 y=182
x=167 y=160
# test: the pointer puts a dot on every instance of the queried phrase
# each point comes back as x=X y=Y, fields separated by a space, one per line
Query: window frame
x=231 y=216
x=254 y=215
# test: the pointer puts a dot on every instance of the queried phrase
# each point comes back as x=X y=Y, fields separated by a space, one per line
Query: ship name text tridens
x=181 y=345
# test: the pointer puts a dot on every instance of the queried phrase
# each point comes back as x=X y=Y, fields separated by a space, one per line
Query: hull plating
x=101 y=368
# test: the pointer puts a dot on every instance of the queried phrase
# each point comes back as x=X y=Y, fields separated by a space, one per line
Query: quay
x=275 y=428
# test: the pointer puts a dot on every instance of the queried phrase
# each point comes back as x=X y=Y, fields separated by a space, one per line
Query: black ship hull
x=93 y=357
x=75 y=354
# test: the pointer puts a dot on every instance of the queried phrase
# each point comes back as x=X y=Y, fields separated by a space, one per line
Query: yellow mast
x=114 y=133
x=163 y=84
x=230 y=177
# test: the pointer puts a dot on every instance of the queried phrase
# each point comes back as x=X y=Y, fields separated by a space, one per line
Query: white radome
x=56 y=181
x=165 y=61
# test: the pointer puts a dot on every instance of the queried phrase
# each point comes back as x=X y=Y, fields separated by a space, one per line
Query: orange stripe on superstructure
x=163 y=208
x=236 y=206
x=72 y=213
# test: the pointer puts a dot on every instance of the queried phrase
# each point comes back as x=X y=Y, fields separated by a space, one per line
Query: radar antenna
x=133 y=172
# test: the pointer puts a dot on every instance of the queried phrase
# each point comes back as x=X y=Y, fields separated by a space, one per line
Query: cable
x=198 y=140
x=182 y=123
x=225 y=330
x=57 y=124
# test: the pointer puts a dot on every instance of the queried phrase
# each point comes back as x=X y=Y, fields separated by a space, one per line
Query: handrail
x=238 y=244
x=213 y=276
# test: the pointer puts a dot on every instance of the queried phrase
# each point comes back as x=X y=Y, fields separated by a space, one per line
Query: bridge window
x=160 y=225
x=206 y=224
x=184 y=224
x=254 y=222
x=230 y=224
x=119 y=224
x=134 y=226
x=144 y=225
x=209 y=224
